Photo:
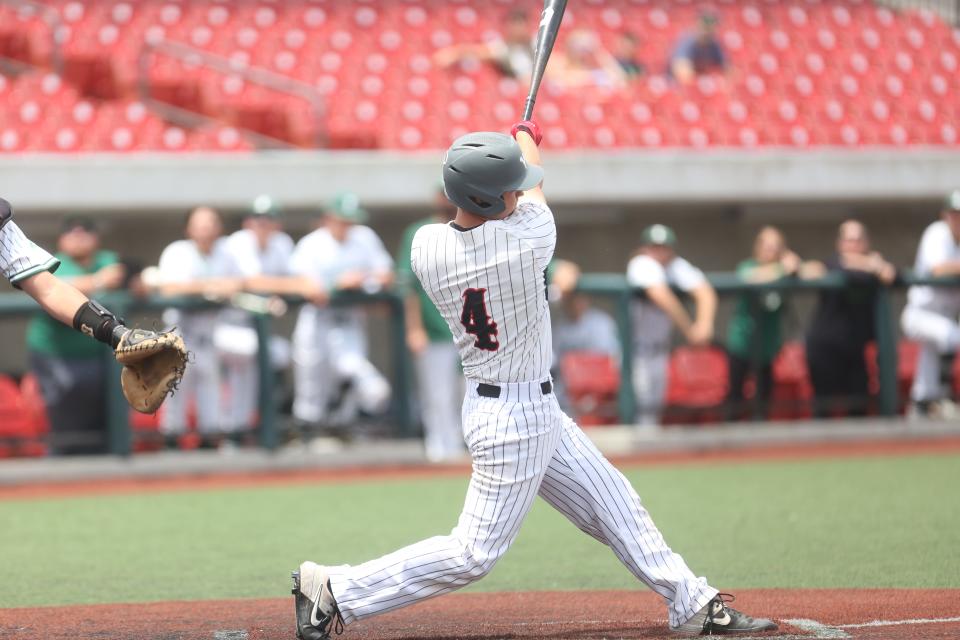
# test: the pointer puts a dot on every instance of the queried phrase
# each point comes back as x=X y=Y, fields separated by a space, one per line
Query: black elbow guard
x=94 y=320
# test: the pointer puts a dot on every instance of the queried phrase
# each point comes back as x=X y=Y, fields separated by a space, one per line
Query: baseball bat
x=550 y=21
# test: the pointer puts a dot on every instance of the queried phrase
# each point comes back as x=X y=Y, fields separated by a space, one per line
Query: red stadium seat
x=792 y=390
x=15 y=419
x=369 y=58
x=697 y=382
x=592 y=383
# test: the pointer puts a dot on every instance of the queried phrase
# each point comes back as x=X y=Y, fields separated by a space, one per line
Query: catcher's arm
x=153 y=363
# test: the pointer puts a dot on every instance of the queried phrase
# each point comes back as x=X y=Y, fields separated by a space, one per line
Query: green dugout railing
x=612 y=286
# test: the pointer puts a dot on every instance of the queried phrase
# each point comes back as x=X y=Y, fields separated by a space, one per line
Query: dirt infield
x=817 y=614
x=241 y=479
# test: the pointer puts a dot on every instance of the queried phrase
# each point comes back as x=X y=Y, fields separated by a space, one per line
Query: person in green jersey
x=71 y=368
x=434 y=353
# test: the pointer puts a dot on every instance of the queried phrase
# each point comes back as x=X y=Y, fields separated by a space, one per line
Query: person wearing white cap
x=261 y=251
x=657 y=269
x=930 y=316
x=333 y=378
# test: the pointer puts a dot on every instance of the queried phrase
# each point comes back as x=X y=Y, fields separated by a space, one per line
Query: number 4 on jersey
x=475 y=320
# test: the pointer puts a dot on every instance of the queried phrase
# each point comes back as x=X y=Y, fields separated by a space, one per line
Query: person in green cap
x=657 y=269
x=333 y=378
x=439 y=379
x=69 y=367
x=930 y=316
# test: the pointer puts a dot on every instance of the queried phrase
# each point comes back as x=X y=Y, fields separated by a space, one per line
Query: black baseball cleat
x=316 y=608
x=717 y=619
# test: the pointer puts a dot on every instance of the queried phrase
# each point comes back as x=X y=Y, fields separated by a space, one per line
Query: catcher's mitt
x=153 y=364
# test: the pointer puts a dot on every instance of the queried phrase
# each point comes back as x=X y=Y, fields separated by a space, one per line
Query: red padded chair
x=14 y=417
x=697 y=383
x=792 y=390
x=591 y=381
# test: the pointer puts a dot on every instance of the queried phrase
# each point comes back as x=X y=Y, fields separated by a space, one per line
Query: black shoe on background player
x=316 y=608
x=717 y=619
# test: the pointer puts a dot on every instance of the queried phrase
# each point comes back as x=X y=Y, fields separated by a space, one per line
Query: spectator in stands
x=843 y=323
x=333 y=379
x=199 y=265
x=754 y=337
x=698 y=52
x=578 y=326
x=626 y=55
x=657 y=270
x=511 y=53
x=584 y=63
x=261 y=252
x=439 y=377
x=930 y=316
x=70 y=368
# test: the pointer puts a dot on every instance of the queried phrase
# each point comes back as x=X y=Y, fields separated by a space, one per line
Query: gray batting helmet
x=480 y=167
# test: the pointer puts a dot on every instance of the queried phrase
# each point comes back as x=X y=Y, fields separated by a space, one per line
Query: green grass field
x=862 y=522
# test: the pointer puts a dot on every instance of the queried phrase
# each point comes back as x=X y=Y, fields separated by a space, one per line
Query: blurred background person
x=625 y=52
x=584 y=63
x=698 y=52
x=510 y=52
x=261 y=252
x=70 y=368
x=578 y=326
x=439 y=376
x=755 y=333
x=656 y=269
x=198 y=265
x=930 y=316
x=844 y=322
x=333 y=379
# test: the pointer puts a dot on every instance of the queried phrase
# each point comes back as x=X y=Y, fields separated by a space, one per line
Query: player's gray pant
x=439 y=386
x=650 y=366
x=523 y=445
x=937 y=333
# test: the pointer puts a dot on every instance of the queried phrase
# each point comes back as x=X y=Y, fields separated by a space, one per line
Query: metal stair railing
x=191 y=56
x=53 y=21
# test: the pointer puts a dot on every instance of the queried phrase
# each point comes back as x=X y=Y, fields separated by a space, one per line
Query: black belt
x=493 y=391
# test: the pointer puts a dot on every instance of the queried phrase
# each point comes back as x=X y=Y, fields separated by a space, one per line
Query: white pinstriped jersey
x=19 y=257
x=488 y=282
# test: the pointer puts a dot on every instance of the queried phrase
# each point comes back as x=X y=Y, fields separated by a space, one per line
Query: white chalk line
x=229 y=635
x=821 y=631
x=893 y=623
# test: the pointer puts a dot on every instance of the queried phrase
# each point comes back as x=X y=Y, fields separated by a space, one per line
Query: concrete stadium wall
x=145 y=182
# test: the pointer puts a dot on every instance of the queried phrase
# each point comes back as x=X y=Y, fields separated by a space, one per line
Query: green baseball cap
x=346 y=206
x=659 y=234
x=264 y=205
x=952 y=201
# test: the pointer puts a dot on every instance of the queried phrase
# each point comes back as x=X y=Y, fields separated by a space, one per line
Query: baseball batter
x=485 y=273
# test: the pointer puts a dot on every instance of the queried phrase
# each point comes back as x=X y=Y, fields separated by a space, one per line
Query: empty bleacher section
x=234 y=76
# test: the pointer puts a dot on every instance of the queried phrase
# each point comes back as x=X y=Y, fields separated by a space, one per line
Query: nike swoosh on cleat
x=722 y=621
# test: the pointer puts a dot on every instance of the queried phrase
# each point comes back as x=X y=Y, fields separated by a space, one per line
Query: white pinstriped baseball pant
x=523 y=445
